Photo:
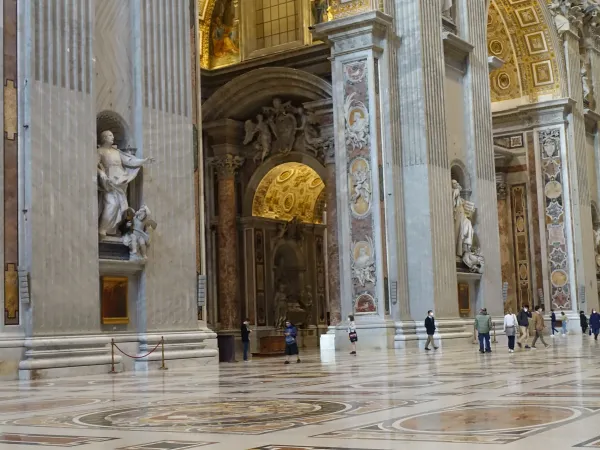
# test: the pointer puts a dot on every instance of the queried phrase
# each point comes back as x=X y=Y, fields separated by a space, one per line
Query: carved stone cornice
x=501 y=186
x=226 y=165
x=568 y=14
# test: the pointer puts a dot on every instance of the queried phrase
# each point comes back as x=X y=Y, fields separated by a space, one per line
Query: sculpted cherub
x=137 y=236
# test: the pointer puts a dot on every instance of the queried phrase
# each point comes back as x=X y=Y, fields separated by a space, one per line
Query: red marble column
x=229 y=302
x=333 y=256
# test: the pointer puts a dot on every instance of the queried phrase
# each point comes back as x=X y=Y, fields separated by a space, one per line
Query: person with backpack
x=523 y=320
x=510 y=329
x=583 y=322
x=483 y=325
x=352 y=335
x=291 y=345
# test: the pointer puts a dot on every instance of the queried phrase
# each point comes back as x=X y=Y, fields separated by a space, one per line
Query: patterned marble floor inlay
x=378 y=400
x=166 y=445
x=49 y=440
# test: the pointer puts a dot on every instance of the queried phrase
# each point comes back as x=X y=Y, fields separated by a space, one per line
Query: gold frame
x=114 y=320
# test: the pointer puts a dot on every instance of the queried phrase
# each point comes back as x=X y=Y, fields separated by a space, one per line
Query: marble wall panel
x=520 y=227
x=455 y=117
x=534 y=220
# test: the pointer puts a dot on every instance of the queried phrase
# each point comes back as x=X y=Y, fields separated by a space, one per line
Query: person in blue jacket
x=595 y=323
x=291 y=345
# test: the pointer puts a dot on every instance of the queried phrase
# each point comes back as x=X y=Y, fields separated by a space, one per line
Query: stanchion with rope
x=161 y=342
x=475 y=340
x=494 y=341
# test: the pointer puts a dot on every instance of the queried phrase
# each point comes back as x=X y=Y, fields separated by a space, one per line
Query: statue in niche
x=116 y=169
x=463 y=231
x=308 y=306
x=447 y=8
x=585 y=82
x=313 y=142
x=264 y=130
x=597 y=246
x=281 y=307
x=137 y=236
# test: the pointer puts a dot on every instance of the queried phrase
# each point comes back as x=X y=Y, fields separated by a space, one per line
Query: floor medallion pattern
x=166 y=445
x=244 y=417
x=495 y=423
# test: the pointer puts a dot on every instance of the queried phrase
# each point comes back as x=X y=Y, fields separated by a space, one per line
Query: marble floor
x=450 y=399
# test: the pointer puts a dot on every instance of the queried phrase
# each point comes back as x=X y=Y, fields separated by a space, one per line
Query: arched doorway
x=286 y=267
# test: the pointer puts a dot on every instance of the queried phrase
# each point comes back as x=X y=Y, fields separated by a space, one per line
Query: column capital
x=355 y=33
x=226 y=165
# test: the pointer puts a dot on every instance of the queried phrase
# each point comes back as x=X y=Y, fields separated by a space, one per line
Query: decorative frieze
x=227 y=165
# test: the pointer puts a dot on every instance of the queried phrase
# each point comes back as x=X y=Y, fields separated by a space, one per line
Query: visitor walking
x=565 y=320
x=583 y=322
x=595 y=323
x=483 y=325
x=510 y=329
x=523 y=320
x=553 y=322
x=430 y=328
x=291 y=345
x=352 y=334
x=538 y=322
x=246 y=337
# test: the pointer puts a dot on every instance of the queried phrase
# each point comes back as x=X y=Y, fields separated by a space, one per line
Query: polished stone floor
x=450 y=399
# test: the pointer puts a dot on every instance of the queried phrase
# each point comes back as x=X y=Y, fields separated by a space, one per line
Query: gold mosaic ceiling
x=288 y=191
x=519 y=35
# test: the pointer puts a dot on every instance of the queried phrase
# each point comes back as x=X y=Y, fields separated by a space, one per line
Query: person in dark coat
x=553 y=322
x=583 y=322
x=595 y=323
x=430 y=328
x=246 y=338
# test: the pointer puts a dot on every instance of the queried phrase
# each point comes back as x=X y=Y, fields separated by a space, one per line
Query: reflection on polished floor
x=450 y=399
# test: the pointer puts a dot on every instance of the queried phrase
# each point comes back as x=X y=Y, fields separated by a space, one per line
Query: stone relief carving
x=282 y=127
x=357 y=122
x=360 y=186
x=281 y=307
x=363 y=261
x=463 y=230
x=116 y=169
x=585 y=82
x=137 y=235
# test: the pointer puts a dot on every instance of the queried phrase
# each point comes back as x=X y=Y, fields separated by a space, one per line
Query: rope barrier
x=160 y=343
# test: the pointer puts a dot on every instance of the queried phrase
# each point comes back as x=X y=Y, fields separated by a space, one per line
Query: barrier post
x=494 y=330
x=112 y=356
x=162 y=366
x=475 y=340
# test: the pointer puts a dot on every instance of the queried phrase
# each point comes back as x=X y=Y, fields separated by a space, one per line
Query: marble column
x=432 y=282
x=359 y=70
x=480 y=151
x=229 y=301
x=333 y=254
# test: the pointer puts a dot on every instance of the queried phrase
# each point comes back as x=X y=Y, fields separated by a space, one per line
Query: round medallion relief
x=559 y=278
x=520 y=224
x=493 y=418
x=503 y=81
x=553 y=189
x=496 y=47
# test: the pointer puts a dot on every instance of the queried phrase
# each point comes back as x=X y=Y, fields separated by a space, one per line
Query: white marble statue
x=585 y=83
x=597 y=248
x=463 y=228
x=116 y=169
x=137 y=237
x=362 y=185
x=363 y=262
x=473 y=260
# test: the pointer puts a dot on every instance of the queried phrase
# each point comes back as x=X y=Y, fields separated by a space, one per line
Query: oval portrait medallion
x=553 y=189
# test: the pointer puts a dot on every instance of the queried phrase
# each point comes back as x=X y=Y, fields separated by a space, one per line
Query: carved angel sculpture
x=363 y=264
x=278 y=108
x=137 y=237
x=265 y=138
x=362 y=187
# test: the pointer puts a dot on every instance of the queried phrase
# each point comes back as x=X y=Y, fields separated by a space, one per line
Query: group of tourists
x=592 y=326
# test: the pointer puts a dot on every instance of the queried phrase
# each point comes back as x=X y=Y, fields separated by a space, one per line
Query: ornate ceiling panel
x=290 y=191
x=519 y=34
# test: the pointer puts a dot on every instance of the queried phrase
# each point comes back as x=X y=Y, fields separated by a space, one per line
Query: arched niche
x=458 y=172
x=277 y=160
x=112 y=121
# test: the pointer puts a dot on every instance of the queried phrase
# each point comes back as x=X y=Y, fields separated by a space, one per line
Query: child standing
x=291 y=346
x=352 y=334
x=565 y=320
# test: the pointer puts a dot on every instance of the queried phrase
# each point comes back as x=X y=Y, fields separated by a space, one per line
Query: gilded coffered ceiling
x=518 y=33
x=289 y=191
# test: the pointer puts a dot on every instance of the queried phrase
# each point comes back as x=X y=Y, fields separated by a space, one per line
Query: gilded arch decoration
x=519 y=33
